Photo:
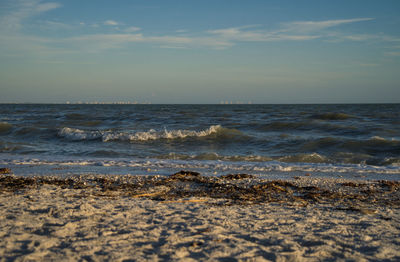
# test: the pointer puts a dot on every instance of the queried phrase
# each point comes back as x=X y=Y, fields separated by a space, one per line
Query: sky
x=200 y=51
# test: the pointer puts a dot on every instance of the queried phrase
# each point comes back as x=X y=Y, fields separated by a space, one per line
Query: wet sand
x=190 y=217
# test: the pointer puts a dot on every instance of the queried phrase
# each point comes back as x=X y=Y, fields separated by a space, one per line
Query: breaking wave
x=75 y=134
x=78 y=134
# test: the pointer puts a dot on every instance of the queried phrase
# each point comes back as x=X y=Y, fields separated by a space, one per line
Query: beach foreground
x=190 y=217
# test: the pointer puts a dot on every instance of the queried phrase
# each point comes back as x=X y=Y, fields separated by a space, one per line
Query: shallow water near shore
x=270 y=141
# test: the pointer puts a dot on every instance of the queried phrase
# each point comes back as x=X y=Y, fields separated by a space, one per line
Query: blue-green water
x=266 y=140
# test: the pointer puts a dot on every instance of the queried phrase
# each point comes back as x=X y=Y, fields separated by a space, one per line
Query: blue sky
x=200 y=51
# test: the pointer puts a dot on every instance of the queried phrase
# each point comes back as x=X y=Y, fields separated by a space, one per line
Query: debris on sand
x=237 y=176
x=5 y=171
x=232 y=188
x=185 y=174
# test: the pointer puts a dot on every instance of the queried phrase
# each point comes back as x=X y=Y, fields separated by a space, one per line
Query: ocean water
x=270 y=141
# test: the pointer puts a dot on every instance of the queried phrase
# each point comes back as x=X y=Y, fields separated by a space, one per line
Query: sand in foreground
x=49 y=221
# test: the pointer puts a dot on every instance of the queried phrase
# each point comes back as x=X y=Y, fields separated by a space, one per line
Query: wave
x=76 y=116
x=89 y=123
x=28 y=131
x=373 y=145
x=215 y=156
x=155 y=135
x=391 y=161
x=75 y=134
x=166 y=167
x=6 y=147
x=283 y=126
x=309 y=158
x=332 y=116
x=304 y=158
x=105 y=153
x=310 y=125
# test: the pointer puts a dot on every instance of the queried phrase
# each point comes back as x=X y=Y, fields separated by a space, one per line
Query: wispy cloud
x=291 y=31
x=315 y=26
x=21 y=10
x=111 y=23
x=241 y=34
x=96 y=41
x=101 y=42
x=355 y=37
x=17 y=16
x=132 y=29
x=55 y=25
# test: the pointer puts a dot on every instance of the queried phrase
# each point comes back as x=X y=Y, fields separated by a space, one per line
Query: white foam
x=215 y=156
x=141 y=166
x=154 y=135
x=75 y=134
x=78 y=134
x=377 y=138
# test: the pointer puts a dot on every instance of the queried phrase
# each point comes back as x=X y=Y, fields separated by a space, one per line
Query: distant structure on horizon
x=236 y=103
x=108 y=103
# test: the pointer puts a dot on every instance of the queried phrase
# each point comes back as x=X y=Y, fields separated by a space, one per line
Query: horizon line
x=149 y=103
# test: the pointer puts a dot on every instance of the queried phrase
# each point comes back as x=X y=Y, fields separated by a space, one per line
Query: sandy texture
x=53 y=222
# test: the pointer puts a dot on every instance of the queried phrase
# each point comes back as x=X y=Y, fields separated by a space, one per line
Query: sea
x=355 y=141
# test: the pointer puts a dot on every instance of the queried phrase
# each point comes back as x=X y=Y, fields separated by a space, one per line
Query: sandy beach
x=187 y=217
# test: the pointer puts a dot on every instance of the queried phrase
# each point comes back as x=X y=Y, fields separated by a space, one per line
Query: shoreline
x=189 y=217
x=237 y=188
